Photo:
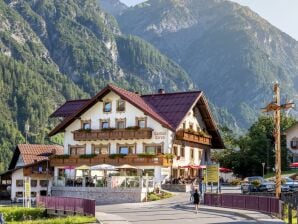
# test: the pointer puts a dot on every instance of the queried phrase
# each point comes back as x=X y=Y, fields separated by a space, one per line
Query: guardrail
x=67 y=205
x=249 y=202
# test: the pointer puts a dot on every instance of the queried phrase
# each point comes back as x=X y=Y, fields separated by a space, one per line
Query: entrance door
x=43 y=193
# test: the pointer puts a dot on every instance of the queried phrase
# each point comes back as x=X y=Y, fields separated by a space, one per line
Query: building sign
x=27 y=192
x=165 y=171
x=212 y=173
x=159 y=134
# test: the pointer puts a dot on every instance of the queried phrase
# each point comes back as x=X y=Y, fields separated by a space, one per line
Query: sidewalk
x=253 y=216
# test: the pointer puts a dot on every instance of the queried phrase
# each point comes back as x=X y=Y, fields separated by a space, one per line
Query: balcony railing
x=111 y=134
x=193 y=137
x=134 y=160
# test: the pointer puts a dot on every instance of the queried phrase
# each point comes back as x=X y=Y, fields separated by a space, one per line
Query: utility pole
x=276 y=107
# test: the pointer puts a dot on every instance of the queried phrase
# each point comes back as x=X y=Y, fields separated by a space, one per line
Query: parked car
x=250 y=185
x=264 y=185
x=292 y=184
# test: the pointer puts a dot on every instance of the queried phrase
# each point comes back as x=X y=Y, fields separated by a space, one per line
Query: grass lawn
x=269 y=175
x=162 y=195
x=14 y=215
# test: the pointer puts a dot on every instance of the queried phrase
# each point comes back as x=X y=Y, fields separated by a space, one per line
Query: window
x=33 y=194
x=120 y=105
x=126 y=149
x=76 y=150
x=19 y=194
x=33 y=183
x=43 y=183
x=19 y=183
x=120 y=123
x=200 y=155
x=175 y=151
x=100 y=149
x=141 y=122
x=153 y=149
x=107 y=107
x=191 y=126
x=182 y=151
x=86 y=125
x=104 y=123
x=294 y=143
x=191 y=153
x=184 y=125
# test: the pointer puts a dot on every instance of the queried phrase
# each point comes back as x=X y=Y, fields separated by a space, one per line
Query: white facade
x=292 y=141
x=160 y=136
x=18 y=191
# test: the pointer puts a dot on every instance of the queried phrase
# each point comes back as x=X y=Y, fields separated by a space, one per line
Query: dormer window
x=107 y=107
x=86 y=125
x=120 y=106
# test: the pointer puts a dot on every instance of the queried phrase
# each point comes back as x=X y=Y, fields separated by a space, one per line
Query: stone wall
x=176 y=187
x=102 y=195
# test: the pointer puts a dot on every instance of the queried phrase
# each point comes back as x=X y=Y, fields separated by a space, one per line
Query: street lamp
x=263 y=165
x=27 y=128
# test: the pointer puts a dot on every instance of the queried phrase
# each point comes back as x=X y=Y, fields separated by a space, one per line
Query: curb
x=231 y=212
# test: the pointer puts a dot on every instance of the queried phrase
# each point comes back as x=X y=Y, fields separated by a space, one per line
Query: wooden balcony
x=193 y=137
x=133 y=160
x=110 y=134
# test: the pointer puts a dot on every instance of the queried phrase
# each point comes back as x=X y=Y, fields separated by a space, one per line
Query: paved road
x=174 y=210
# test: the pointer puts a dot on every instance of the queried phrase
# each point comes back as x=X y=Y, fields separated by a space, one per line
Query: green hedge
x=20 y=214
x=66 y=220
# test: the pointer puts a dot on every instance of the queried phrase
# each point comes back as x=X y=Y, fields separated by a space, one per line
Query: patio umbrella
x=294 y=165
x=103 y=167
x=225 y=170
x=126 y=166
x=83 y=167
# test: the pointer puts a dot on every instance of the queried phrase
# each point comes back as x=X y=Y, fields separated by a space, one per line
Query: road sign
x=212 y=173
x=27 y=192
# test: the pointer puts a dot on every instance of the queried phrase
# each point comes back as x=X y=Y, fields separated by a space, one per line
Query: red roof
x=131 y=97
x=33 y=153
x=173 y=107
x=169 y=109
x=69 y=108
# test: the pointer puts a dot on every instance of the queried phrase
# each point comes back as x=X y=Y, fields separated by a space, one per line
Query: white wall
x=18 y=175
x=290 y=134
x=161 y=135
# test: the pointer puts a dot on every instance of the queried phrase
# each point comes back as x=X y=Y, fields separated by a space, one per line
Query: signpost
x=212 y=175
x=27 y=192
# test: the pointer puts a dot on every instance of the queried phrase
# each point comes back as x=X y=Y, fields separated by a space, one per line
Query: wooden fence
x=246 y=202
x=67 y=205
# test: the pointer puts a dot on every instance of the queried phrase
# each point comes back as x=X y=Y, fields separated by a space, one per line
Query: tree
x=254 y=148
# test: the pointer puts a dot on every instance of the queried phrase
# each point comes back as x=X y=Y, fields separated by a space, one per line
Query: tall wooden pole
x=276 y=107
x=277 y=141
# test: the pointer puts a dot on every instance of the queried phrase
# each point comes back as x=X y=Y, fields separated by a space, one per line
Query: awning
x=83 y=167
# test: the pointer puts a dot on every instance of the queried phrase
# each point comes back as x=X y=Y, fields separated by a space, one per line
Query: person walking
x=196 y=199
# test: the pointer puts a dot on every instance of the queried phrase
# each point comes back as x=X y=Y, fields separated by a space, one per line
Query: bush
x=87 y=156
x=235 y=182
x=114 y=156
x=65 y=156
x=256 y=183
x=20 y=214
x=146 y=155
x=154 y=196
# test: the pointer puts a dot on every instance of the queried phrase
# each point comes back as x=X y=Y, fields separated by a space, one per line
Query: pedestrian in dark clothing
x=196 y=199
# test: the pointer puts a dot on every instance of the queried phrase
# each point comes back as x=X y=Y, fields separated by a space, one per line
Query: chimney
x=161 y=91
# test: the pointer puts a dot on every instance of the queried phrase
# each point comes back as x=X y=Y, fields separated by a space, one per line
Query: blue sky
x=281 y=13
